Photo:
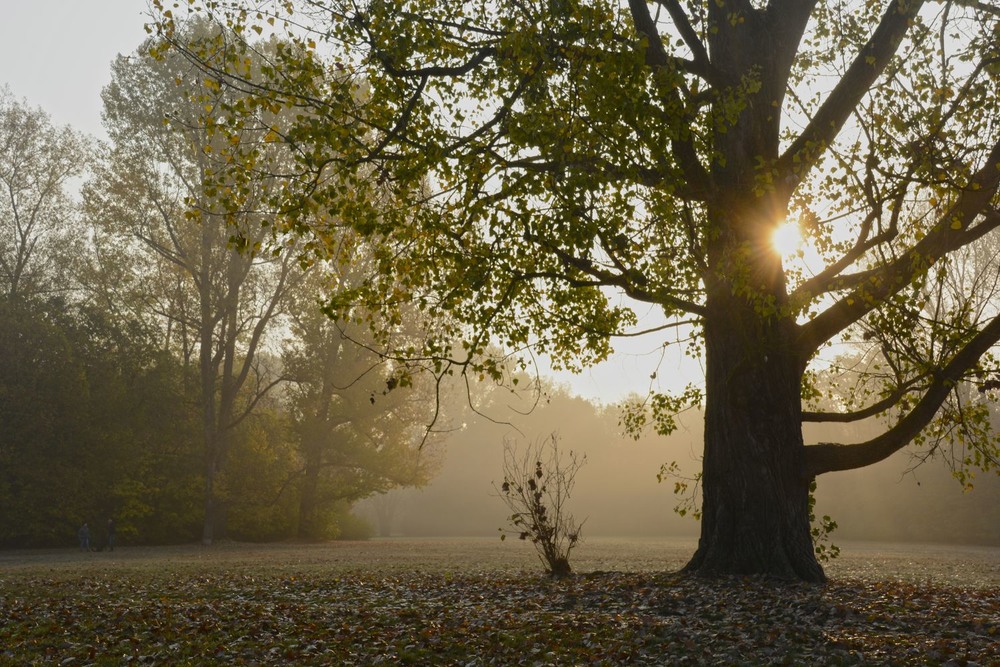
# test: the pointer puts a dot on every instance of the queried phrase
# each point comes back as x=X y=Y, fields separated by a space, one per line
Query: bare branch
x=868 y=411
x=953 y=230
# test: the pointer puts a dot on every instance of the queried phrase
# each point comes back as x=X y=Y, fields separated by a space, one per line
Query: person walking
x=111 y=534
x=84 y=535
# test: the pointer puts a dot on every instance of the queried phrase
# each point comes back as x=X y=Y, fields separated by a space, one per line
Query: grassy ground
x=480 y=602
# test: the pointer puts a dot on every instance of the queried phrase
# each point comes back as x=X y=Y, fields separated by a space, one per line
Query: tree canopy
x=528 y=172
x=37 y=216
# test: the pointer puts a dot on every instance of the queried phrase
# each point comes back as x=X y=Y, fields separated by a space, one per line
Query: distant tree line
x=164 y=359
x=618 y=494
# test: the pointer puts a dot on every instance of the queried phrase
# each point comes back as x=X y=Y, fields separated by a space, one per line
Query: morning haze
x=289 y=288
x=619 y=495
x=72 y=44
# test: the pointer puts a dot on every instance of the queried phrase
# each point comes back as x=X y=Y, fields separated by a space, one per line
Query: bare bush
x=536 y=488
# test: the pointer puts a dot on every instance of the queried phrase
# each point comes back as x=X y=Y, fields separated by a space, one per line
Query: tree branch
x=623 y=282
x=866 y=412
x=687 y=32
x=953 y=230
x=657 y=57
x=869 y=64
x=829 y=278
x=830 y=457
x=437 y=70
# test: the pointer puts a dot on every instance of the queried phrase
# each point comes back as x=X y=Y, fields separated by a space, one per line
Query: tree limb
x=953 y=230
x=623 y=282
x=437 y=70
x=657 y=57
x=868 y=65
x=830 y=457
x=687 y=32
x=866 y=412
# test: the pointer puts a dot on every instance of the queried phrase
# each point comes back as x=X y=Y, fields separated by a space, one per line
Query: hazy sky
x=57 y=55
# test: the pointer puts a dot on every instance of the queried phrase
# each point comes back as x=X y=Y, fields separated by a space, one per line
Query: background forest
x=155 y=371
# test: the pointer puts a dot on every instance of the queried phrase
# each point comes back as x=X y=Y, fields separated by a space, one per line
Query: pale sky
x=57 y=55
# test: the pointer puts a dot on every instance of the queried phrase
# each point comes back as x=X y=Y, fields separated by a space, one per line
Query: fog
x=618 y=495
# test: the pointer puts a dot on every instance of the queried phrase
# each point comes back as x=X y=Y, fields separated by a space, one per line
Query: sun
x=787 y=239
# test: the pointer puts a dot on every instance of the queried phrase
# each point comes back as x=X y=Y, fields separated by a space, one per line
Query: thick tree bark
x=755 y=489
x=755 y=484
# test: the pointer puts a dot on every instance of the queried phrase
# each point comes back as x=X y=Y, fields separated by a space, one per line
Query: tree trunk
x=316 y=442
x=208 y=525
x=309 y=528
x=214 y=526
x=755 y=491
x=210 y=435
x=386 y=506
x=216 y=515
x=216 y=506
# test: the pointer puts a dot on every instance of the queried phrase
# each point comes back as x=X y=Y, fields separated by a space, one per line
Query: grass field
x=483 y=602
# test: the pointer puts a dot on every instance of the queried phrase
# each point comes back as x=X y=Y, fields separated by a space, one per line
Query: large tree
x=162 y=224
x=357 y=434
x=553 y=163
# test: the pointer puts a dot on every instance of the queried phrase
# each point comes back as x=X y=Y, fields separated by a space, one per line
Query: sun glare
x=787 y=239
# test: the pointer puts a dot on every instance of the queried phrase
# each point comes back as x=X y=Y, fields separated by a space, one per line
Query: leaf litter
x=311 y=616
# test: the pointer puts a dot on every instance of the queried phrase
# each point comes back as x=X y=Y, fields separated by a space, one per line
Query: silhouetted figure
x=111 y=534
x=84 y=536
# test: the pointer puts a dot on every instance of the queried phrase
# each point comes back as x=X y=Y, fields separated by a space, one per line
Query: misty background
x=618 y=494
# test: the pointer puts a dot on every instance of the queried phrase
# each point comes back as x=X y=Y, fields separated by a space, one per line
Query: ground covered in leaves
x=479 y=604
